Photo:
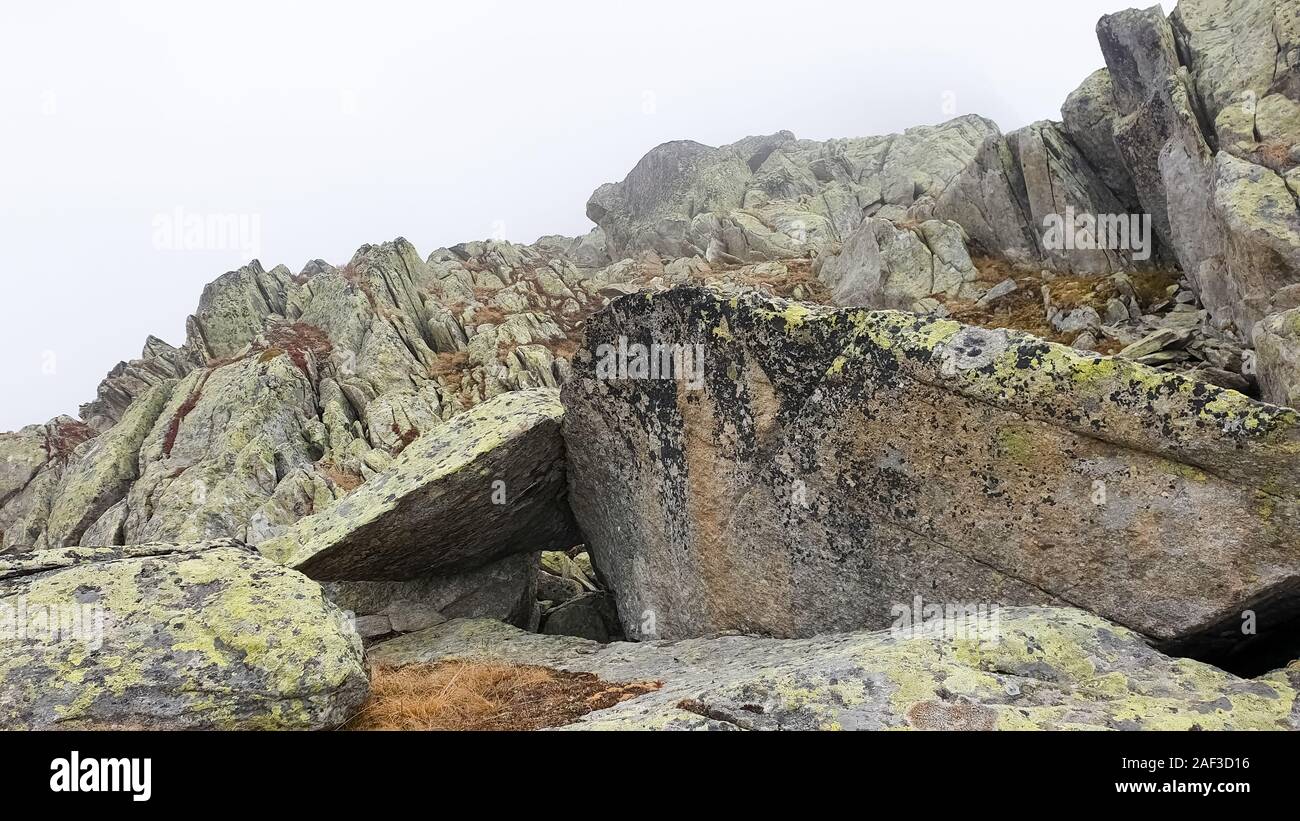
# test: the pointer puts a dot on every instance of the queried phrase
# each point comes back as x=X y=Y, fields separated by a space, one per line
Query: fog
x=319 y=127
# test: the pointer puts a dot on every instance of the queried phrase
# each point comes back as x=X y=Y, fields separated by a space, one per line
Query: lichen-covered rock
x=213 y=464
x=234 y=308
x=824 y=465
x=1205 y=131
x=1277 y=357
x=22 y=455
x=322 y=380
x=775 y=197
x=488 y=484
x=1239 y=50
x=102 y=475
x=887 y=266
x=202 y=636
x=1013 y=669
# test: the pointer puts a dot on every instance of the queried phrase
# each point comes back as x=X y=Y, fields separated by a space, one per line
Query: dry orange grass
x=1276 y=155
x=450 y=365
x=1022 y=310
x=345 y=479
x=458 y=695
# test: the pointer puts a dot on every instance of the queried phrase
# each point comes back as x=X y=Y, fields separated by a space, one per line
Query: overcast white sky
x=332 y=124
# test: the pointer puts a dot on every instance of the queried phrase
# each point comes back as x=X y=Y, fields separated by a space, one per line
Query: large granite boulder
x=200 y=636
x=488 y=484
x=1014 y=669
x=805 y=469
x=1277 y=357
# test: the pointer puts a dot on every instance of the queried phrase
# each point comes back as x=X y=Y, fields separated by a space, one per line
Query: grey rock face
x=588 y=616
x=1060 y=182
x=775 y=197
x=652 y=208
x=1013 y=669
x=1019 y=186
x=885 y=266
x=1214 y=183
x=101 y=475
x=486 y=485
x=504 y=590
x=831 y=463
x=233 y=310
x=1277 y=352
x=128 y=381
x=556 y=589
x=990 y=201
x=1088 y=117
x=1239 y=50
x=202 y=636
x=22 y=455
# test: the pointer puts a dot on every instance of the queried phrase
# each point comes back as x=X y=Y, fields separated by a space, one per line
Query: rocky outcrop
x=810 y=468
x=1014 y=669
x=1023 y=192
x=202 y=636
x=1189 y=92
x=488 y=484
x=1239 y=50
x=128 y=381
x=776 y=197
x=102 y=475
x=22 y=455
x=232 y=454
x=888 y=266
x=350 y=366
x=1088 y=117
x=390 y=425
x=234 y=308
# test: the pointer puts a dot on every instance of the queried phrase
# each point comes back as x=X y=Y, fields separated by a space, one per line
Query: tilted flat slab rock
x=834 y=464
x=201 y=636
x=487 y=484
x=1014 y=669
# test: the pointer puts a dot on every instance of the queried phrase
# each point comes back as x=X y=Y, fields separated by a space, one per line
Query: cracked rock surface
x=1025 y=668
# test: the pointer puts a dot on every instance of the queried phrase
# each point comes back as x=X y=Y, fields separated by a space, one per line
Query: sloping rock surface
x=486 y=485
x=1018 y=669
